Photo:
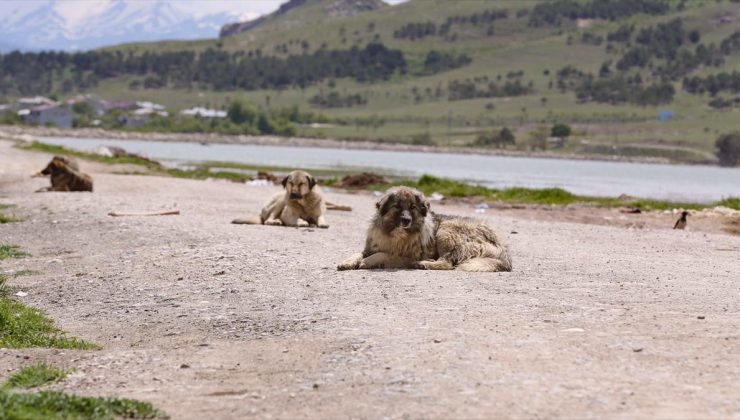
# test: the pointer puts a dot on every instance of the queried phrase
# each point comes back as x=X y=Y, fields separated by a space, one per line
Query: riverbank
x=430 y=185
x=552 y=204
x=211 y=138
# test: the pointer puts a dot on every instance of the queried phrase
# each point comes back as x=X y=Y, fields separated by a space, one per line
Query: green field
x=405 y=109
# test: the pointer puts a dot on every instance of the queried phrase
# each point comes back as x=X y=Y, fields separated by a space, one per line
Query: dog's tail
x=480 y=264
x=252 y=220
x=338 y=207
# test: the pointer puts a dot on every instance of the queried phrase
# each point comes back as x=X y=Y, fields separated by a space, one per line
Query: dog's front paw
x=352 y=263
x=273 y=222
x=421 y=265
x=349 y=265
x=302 y=223
x=323 y=225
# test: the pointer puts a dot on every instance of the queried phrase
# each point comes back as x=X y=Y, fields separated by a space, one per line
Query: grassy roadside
x=428 y=184
x=11 y=251
x=548 y=196
x=60 y=150
x=230 y=171
x=21 y=326
x=35 y=376
x=4 y=218
x=58 y=405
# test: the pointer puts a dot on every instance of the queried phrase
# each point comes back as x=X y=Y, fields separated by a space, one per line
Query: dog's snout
x=406 y=218
x=295 y=196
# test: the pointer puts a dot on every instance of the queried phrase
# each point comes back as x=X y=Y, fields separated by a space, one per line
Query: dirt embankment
x=204 y=318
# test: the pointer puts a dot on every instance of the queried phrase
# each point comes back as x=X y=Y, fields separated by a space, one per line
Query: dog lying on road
x=300 y=205
x=405 y=234
x=65 y=176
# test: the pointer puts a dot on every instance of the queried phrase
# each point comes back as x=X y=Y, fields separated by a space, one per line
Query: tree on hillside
x=501 y=139
x=560 y=130
x=506 y=136
x=728 y=149
x=241 y=112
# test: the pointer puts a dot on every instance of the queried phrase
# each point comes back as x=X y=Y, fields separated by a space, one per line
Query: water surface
x=597 y=178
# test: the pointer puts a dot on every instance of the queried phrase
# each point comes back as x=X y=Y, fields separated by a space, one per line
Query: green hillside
x=628 y=64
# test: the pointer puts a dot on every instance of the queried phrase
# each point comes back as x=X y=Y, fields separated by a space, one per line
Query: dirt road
x=204 y=318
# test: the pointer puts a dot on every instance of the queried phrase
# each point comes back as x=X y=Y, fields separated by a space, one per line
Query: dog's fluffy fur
x=65 y=176
x=299 y=205
x=405 y=234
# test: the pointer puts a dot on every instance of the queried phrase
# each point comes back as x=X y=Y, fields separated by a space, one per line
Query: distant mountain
x=51 y=26
x=332 y=9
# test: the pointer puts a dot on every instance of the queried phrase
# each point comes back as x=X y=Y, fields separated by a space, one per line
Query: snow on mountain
x=81 y=25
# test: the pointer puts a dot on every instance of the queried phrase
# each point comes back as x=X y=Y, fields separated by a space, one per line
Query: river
x=586 y=177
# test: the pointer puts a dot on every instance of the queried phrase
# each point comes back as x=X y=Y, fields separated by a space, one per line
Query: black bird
x=681 y=223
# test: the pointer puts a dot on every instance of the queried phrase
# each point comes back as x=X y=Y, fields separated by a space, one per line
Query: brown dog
x=65 y=176
x=405 y=234
x=299 y=205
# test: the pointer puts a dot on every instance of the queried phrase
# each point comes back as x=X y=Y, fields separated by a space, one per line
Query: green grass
x=57 y=405
x=731 y=202
x=60 y=150
x=22 y=327
x=3 y=217
x=21 y=273
x=6 y=219
x=623 y=130
x=5 y=290
x=36 y=375
x=548 y=196
x=11 y=251
x=201 y=170
x=632 y=130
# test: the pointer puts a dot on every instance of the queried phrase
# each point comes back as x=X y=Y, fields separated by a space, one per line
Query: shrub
x=560 y=130
x=241 y=112
x=728 y=149
x=423 y=139
x=501 y=139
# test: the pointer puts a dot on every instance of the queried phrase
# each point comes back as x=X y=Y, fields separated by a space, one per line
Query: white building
x=203 y=113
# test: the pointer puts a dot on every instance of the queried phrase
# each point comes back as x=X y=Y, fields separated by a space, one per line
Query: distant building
x=120 y=105
x=203 y=113
x=48 y=115
x=149 y=105
x=36 y=101
x=150 y=112
x=665 y=116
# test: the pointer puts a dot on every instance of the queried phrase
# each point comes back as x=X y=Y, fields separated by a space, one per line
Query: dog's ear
x=424 y=207
x=383 y=204
x=311 y=182
x=285 y=181
x=47 y=170
x=423 y=204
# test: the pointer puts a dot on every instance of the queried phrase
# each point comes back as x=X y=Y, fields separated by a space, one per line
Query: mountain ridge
x=334 y=8
x=105 y=23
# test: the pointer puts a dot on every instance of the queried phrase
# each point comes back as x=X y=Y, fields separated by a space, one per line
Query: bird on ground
x=681 y=223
